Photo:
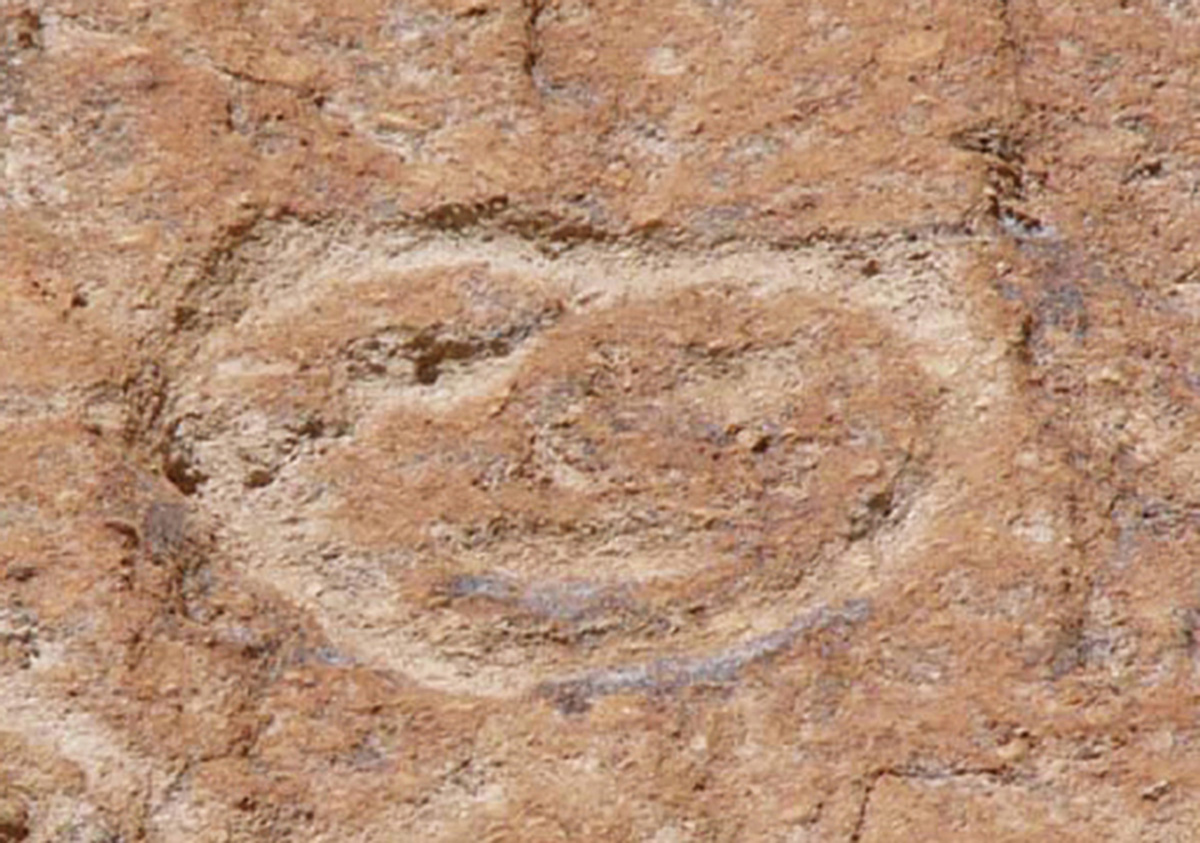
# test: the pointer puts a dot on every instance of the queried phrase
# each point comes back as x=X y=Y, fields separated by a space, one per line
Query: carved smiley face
x=486 y=489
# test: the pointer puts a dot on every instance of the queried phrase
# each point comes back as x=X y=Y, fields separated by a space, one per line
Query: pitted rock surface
x=553 y=420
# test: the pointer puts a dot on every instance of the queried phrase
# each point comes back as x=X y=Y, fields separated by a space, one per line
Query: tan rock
x=454 y=419
x=14 y=818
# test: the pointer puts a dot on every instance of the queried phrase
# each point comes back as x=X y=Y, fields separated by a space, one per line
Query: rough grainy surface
x=709 y=420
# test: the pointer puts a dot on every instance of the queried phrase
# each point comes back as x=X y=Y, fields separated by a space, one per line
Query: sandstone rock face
x=532 y=420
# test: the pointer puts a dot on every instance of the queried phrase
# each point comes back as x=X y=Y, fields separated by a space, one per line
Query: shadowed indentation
x=572 y=696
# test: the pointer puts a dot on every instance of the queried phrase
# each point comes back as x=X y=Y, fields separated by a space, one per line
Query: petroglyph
x=672 y=674
x=657 y=440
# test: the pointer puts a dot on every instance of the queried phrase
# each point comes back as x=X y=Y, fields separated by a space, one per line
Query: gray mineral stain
x=672 y=674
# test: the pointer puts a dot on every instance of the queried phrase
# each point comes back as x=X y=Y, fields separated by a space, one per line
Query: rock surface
x=534 y=420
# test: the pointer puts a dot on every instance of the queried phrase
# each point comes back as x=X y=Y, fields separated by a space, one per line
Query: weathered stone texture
x=534 y=420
